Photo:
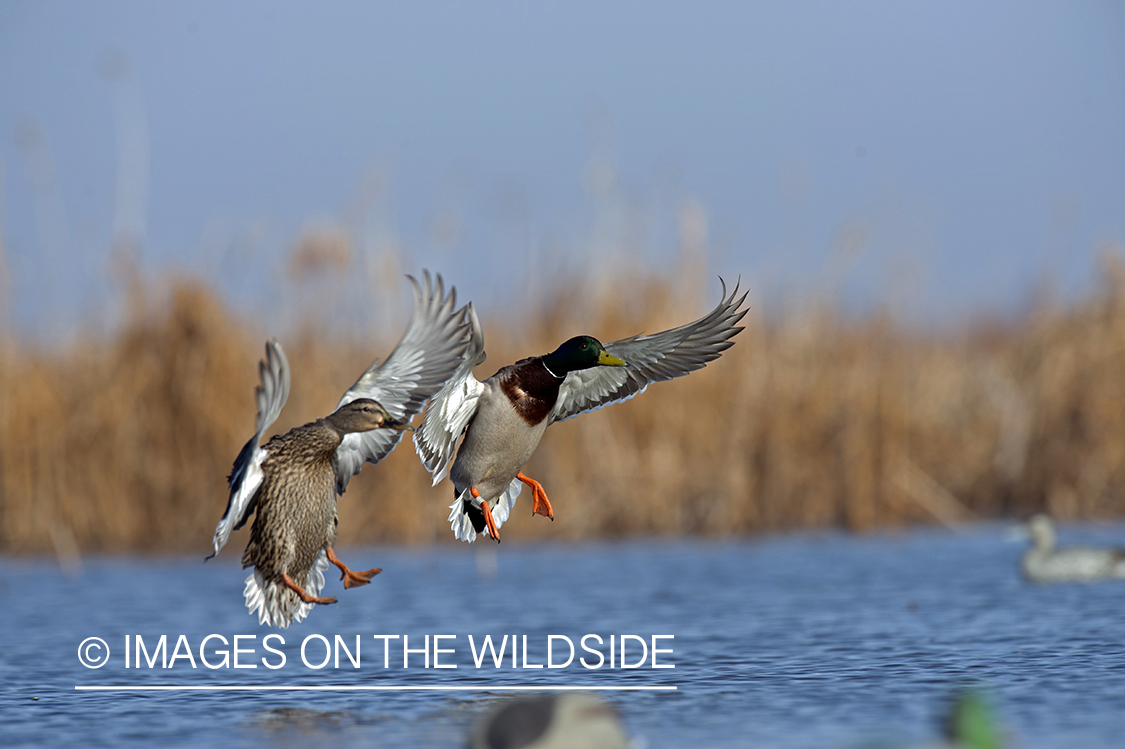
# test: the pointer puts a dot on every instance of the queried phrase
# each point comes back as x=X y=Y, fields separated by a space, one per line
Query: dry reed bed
x=806 y=422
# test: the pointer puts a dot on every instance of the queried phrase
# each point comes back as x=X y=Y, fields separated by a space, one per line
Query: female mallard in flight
x=504 y=417
x=292 y=482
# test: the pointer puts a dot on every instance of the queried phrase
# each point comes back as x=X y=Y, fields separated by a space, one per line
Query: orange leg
x=352 y=579
x=540 y=505
x=488 y=521
x=301 y=591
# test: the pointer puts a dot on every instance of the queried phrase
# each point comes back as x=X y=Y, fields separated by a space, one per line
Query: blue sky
x=966 y=151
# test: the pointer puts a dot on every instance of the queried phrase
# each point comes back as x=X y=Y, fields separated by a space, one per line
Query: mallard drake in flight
x=292 y=482
x=1045 y=563
x=504 y=417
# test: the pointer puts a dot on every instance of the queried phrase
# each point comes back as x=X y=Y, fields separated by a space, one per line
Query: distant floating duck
x=1043 y=563
x=292 y=482
x=503 y=418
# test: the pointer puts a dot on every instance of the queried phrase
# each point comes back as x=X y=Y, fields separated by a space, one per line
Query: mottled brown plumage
x=292 y=482
x=296 y=507
x=297 y=502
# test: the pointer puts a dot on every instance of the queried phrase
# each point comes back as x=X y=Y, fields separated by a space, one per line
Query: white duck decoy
x=1044 y=563
x=292 y=481
x=504 y=418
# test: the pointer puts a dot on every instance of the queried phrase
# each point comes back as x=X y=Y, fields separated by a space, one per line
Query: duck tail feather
x=461 y=523
x=278 y=606
x=506 y=502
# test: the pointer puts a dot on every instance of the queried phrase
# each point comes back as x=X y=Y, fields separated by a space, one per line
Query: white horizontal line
x=386 y=688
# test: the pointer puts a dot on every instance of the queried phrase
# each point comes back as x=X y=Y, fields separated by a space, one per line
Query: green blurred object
x=972 y=724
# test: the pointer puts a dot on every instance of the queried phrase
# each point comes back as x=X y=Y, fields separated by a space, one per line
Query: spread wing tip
x=430 y=297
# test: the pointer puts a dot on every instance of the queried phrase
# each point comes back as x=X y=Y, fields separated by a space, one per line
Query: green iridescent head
x=580 y=352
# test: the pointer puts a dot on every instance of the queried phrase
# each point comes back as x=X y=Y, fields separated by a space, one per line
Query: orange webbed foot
x=489 y=523
x=351 y=578
x=355 y=579
x=540 y=505
x=302 y=594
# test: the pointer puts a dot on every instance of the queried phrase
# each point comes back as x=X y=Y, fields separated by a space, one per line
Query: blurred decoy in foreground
x=1043 y=563
x=504 y=417
x=565 y=721
x=292 y=482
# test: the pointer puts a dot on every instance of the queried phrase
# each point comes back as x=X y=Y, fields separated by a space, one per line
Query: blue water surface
x=823 y=640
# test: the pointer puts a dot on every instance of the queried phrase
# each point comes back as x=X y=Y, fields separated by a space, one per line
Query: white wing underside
x=246 y=476
x=430 y=350
x=452 y=408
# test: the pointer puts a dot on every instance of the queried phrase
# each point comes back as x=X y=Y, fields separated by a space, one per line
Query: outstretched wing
x=246 y=476
x=651 y=358
x=431 y=348
x=452 y=409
